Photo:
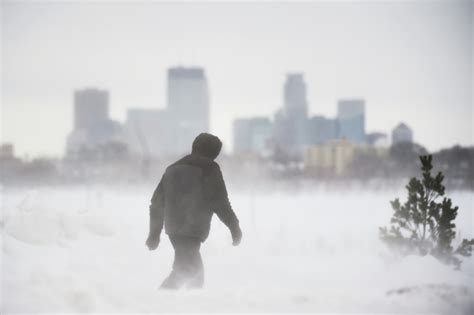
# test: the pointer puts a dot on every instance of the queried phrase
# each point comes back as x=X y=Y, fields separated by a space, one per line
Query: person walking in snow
x=191 y=190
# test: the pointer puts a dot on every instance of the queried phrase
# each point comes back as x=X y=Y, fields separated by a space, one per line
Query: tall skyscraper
x=91 y=107
x=92 y=125
x=291 y=123
x=351 y=117
x=296 y=105
x=188 y=105
x=402 y=133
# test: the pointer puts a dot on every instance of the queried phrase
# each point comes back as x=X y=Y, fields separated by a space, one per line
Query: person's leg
x=196 y=268
x=177 y=277
x=196 y=281
x=187 y=266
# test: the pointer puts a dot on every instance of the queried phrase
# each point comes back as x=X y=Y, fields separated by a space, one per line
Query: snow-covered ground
x=82 y=250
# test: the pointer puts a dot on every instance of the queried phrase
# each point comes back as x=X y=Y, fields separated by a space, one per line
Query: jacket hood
x=207 y=145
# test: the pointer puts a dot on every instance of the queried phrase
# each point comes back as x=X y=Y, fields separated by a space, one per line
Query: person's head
x=207 y=145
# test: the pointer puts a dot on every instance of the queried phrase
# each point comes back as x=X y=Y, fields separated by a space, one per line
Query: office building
x=291 y=123
x=91 y=107
x=322 y=130
x=252 y=135
x=188 y=105
x=402 y=133
x=295 y=101
x=351 y=117
x=92 y=125
x=331 y=158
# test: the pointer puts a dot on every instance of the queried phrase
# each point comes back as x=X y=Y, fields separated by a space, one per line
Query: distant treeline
x=113 y=164
x=456 y=163
x=399 y=163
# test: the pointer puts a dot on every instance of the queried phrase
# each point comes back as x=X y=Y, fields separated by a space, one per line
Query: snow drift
x=82 y=250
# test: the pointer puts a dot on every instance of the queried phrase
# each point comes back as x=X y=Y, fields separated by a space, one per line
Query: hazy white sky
x=411 y=61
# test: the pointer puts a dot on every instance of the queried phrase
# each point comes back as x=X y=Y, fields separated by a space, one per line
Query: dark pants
x=187 y=266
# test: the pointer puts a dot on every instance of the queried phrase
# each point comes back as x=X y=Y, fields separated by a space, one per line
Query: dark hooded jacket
x=190 y=192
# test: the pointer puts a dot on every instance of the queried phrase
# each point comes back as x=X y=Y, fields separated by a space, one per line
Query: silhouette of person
x=191 y=190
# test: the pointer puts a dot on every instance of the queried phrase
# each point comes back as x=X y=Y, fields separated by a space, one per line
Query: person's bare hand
x=152 y=242
x=236 y=236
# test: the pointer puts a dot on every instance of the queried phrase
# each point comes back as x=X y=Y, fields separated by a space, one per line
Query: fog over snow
x=82 y=250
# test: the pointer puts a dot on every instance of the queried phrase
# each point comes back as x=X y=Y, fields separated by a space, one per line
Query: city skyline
x=230 y=143
x=246 y=50
x=146 y=131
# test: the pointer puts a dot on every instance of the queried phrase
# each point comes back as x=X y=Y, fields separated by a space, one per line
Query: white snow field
x=81 y=250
